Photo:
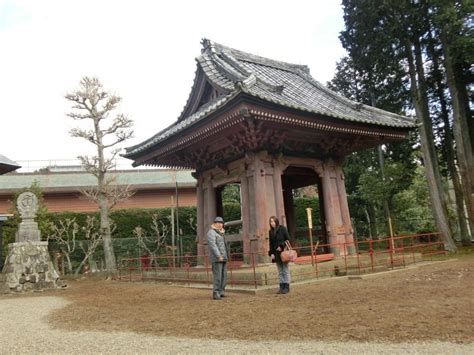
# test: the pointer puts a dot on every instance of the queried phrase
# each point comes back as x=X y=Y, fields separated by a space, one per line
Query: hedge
x=127 y=219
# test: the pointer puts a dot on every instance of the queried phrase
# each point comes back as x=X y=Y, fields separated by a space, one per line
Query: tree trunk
x=69 y=264
x=449 y=145
x=110 y=264
x=78 y=269
x=372 y=220
x=461 y=129
x=420 y=101
x=386 y=207
x=458 y=190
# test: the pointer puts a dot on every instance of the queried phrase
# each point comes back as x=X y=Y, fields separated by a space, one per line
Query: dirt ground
x=431 y=302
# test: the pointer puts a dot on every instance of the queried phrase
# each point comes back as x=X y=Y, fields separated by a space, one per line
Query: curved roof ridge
x=227 y=69
x=251 y=76
x=249 y=57
x=229 y=58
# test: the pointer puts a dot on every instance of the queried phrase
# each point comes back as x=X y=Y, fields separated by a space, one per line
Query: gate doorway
x=300 y=182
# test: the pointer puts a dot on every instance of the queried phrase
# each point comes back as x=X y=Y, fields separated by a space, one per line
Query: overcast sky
x=143 y=51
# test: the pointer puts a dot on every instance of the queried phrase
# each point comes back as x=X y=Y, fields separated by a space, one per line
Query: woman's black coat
x=277 y=239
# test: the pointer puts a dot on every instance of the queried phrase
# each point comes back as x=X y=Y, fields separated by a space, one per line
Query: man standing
x=218 y=257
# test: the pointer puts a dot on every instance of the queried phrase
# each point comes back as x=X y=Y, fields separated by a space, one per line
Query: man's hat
x=218 y=220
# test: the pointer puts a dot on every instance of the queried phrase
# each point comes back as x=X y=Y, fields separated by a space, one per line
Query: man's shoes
x=216 y=296
x=222 y=296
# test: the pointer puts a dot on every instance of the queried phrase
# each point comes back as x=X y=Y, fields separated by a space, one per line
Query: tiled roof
x=284 y=84
x=7 y=165
x=73 y=181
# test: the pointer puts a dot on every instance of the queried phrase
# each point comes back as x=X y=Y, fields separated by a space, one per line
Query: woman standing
x=277 y=236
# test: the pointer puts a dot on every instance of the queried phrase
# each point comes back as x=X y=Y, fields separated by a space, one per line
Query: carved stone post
x=28 y=228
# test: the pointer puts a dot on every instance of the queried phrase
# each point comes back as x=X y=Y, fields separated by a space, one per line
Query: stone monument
x=28 y=264
x=28 y=229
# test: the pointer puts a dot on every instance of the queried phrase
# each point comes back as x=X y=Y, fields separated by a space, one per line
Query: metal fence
x=313 y=262
x=64 y=256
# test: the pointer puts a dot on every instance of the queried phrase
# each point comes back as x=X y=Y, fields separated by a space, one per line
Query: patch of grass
x=464 y=252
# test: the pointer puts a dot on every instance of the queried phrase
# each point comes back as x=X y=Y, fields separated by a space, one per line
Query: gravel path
x=24 y=330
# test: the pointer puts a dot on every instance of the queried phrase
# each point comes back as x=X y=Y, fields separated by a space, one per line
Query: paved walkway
x=24 y=330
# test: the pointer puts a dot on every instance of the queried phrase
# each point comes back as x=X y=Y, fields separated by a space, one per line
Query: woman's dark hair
x=277 y=222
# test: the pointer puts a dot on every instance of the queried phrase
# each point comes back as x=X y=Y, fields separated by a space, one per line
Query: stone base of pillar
x=200 y=261
x=335 y=250
x=28 y=267
x=351 y=250
x=256 y=260
x=343 y=251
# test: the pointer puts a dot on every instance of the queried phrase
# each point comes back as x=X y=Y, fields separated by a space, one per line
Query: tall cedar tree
x=440 y=109
x=378 y=33
x=386 y=169
x=453 y=24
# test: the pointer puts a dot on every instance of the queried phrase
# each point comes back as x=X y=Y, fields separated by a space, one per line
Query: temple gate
x=270 y=127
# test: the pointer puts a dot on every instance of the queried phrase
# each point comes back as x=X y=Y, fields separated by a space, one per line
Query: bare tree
x=192 y=223
x=64 y=235
x=153 y=243
x=91 y=102
x=93 y=238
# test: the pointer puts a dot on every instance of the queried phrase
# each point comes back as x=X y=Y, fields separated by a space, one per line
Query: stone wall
x=28 y=266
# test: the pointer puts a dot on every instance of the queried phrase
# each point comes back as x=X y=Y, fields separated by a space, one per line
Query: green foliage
x=368 y=188
x=125 y=220
x=300 y=205
x=79 y=217
x=454 y=18
x=231 y=194
x=373 y=186
x=379 y=88
x=381 y=39
x=412 y=207
x=364 y=78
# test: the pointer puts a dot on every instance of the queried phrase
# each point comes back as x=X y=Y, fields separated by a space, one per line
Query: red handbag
x=289 y=254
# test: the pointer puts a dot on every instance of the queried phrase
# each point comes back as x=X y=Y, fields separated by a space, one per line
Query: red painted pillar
x=245 y=201
x=278 y=193
x=349 y=232
x=259 y=232
x=332 y=207
x=206 y=210
x=201 y=232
